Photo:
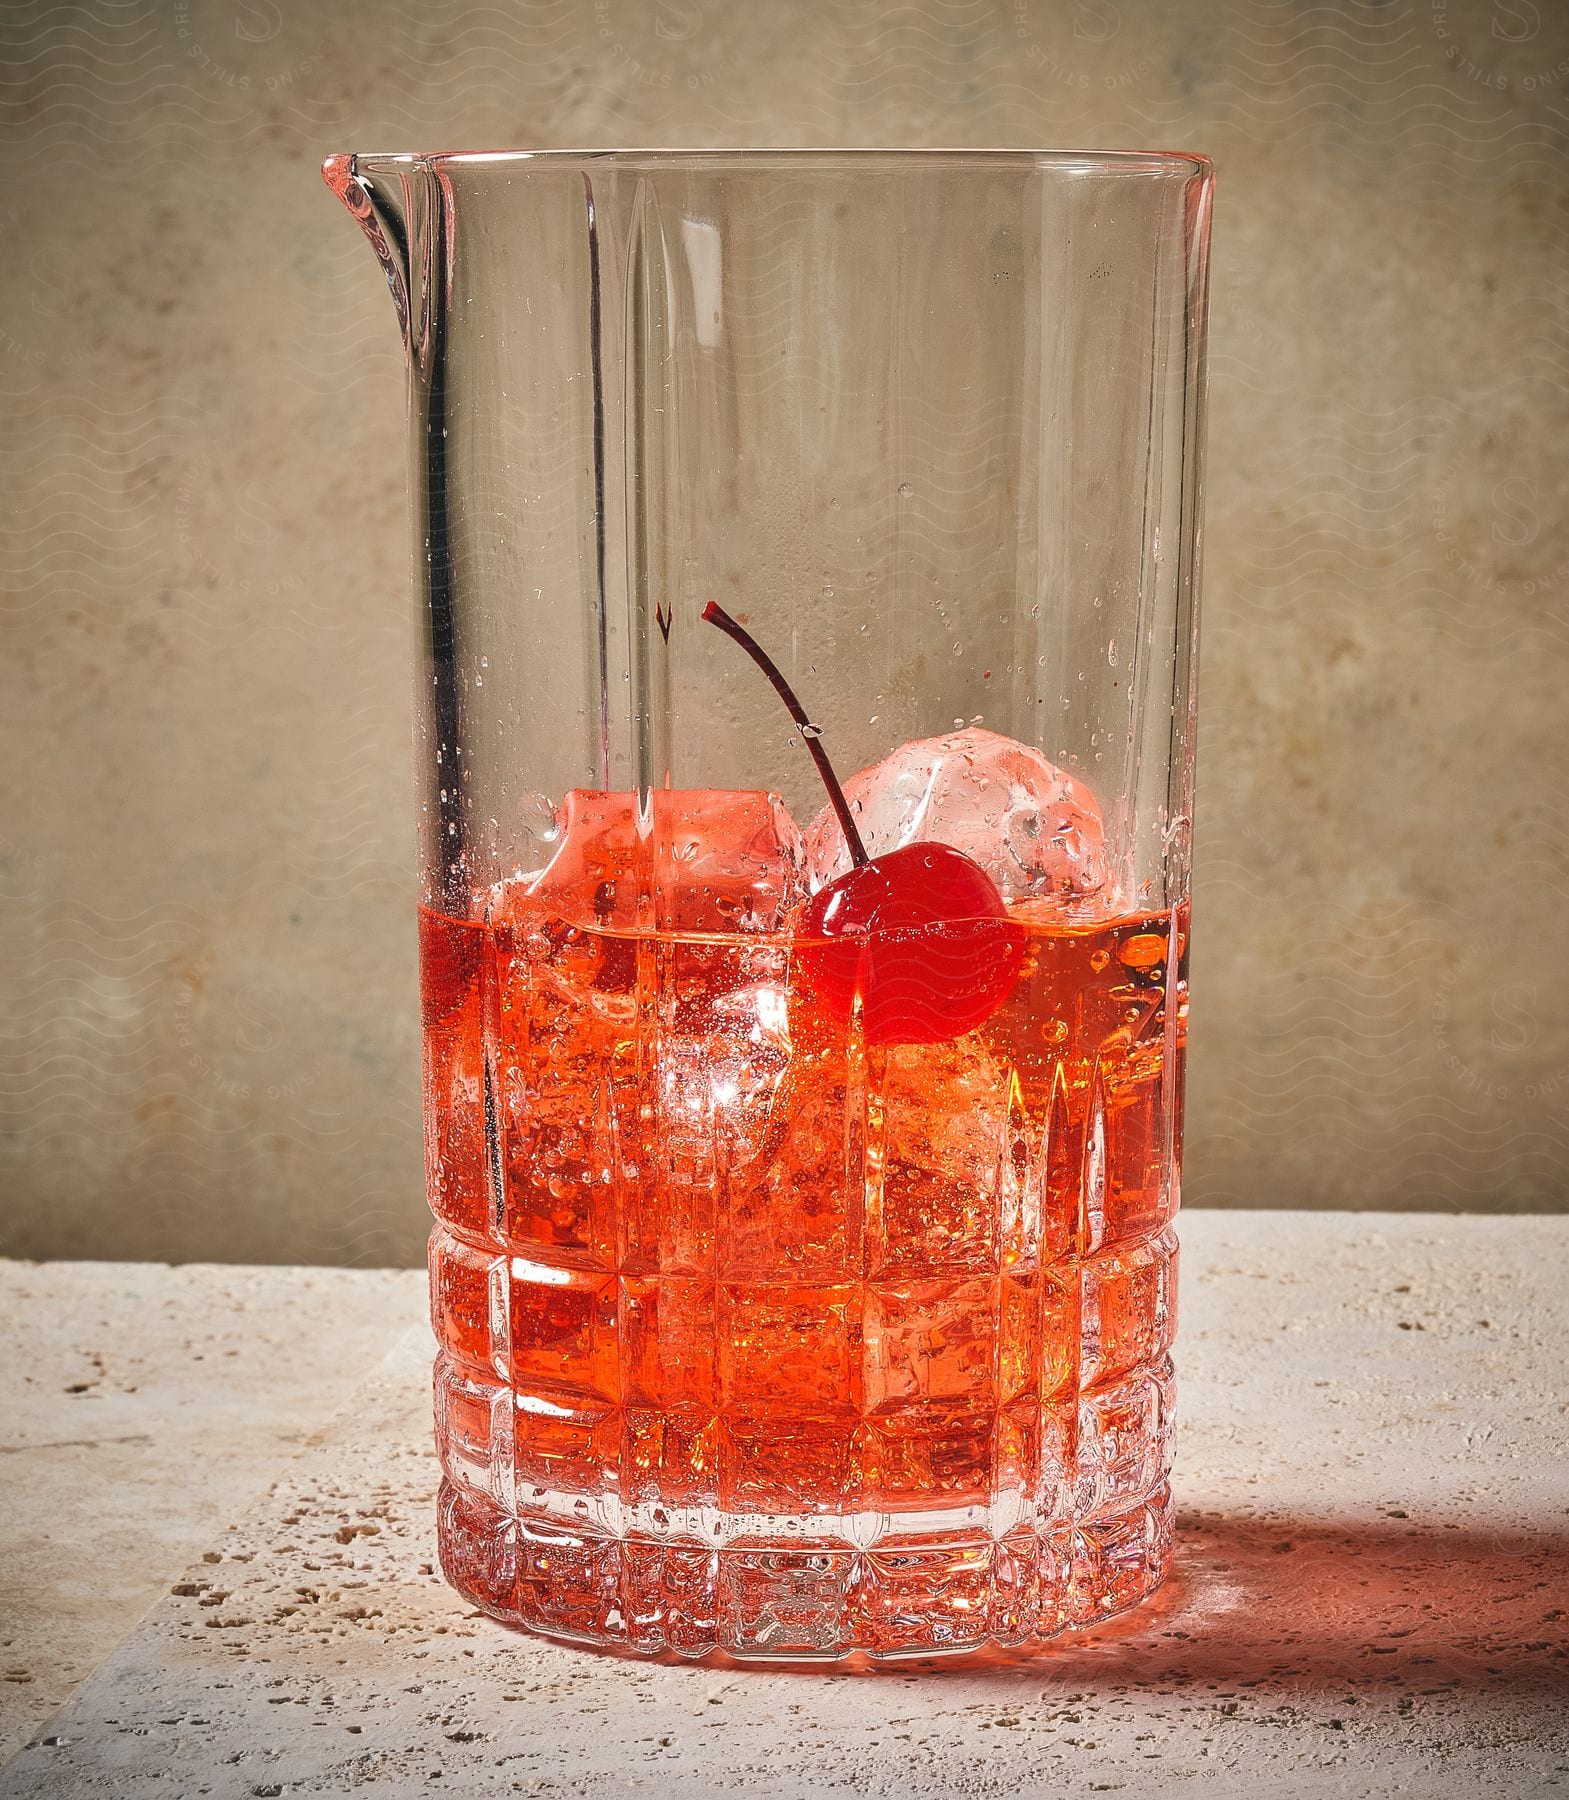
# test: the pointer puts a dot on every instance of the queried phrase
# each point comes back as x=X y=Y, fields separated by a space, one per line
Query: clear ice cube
x=1035 y=829
x=621 y=1046
x=703 y=860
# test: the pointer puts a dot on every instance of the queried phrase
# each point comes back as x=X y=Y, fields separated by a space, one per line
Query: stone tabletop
x=1371 y=1597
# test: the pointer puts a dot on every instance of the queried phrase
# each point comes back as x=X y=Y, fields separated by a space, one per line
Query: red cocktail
x=779 y=1316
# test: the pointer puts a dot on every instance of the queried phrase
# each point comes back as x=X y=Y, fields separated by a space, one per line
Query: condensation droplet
x=905 y=490
x=1111 y=653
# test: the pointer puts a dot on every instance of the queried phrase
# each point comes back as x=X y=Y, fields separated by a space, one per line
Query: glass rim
x=738 y=160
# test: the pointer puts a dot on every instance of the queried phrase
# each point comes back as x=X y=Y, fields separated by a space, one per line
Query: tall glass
x=807 y=556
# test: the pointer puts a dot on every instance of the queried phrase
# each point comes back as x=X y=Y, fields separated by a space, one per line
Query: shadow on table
x=1397 y=1606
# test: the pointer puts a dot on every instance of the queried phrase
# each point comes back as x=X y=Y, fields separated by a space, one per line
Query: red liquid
x=760 y=1337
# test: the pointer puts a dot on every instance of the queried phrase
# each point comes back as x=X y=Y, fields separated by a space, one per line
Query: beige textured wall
x=206 y=948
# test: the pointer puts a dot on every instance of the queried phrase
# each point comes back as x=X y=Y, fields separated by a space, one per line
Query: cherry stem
x=715 y=614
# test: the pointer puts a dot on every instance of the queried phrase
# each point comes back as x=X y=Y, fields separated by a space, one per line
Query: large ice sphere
x=1035 y=829
x=704 y=860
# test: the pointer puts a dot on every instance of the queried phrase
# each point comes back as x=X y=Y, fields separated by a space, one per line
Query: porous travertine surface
x=143 y=1409
x=1371 y=1592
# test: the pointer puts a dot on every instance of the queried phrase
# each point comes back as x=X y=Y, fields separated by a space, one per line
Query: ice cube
x=631 y=1065
x=1035 y=829
x=943 y=1112
x=708 y=860
x=718 y=1069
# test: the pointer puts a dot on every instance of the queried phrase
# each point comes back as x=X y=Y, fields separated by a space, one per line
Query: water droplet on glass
x=1111 y=653
x=905 y=490
x=811 y=731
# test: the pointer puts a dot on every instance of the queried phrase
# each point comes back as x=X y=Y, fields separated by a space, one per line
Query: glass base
x=796 y=1595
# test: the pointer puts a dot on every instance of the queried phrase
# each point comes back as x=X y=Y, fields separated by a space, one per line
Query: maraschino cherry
x=920 y=935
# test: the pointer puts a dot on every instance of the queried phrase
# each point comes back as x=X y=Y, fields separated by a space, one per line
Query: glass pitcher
x=807 y=551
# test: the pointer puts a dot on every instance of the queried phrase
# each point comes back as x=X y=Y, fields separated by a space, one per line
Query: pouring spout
x=378 y=198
